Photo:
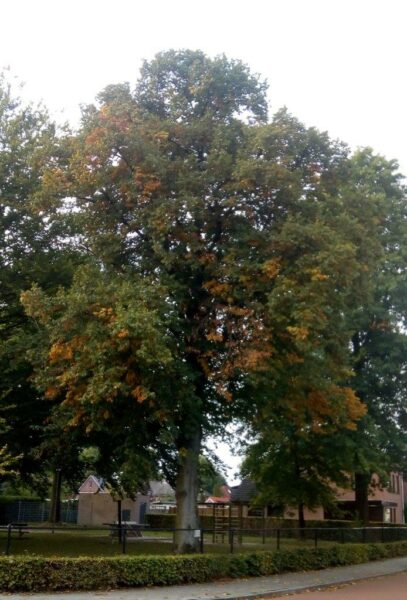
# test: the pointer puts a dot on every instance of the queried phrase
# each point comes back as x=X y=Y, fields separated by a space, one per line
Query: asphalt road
x=391 y=587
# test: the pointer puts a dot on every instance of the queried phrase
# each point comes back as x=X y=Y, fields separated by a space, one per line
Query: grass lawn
x=98 y=543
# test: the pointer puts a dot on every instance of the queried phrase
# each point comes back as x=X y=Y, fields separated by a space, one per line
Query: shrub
x=35 y=574
x=167 y=521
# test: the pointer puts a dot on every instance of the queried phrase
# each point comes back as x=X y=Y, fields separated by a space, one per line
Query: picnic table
x=133 y=529
x=20 y=527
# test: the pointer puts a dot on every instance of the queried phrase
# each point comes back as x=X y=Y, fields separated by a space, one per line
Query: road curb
x=292 y=590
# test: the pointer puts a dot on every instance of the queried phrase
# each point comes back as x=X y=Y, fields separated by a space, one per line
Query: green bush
x=34 y=574
x=160 y=521
x=11 y=499
x=167 y=521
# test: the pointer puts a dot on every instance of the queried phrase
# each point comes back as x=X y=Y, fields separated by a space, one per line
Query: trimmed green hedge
x=10 y=499
x=161 y=520
x=167 y=521
x=34 y=574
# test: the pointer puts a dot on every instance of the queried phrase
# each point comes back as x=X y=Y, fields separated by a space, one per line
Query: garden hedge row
x=167 y=521
x=35 y=574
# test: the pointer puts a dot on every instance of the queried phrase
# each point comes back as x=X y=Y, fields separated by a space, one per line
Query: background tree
x=379 y=341
x=31 y=251
x=367 y=315
x=211 y=479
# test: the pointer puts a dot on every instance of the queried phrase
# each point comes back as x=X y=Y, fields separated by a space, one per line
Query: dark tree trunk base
x=187 y=520
x=362 y=482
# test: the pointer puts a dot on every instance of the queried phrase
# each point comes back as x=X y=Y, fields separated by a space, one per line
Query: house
x=98 y=506
x=160 y=491
x=386 y=505
x=162 y=497
x=224 y=498
x=243 y=493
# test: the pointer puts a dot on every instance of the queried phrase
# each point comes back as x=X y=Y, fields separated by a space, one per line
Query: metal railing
x=208 y=539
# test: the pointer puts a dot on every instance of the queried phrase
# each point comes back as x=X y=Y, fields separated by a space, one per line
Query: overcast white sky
x=337 y=64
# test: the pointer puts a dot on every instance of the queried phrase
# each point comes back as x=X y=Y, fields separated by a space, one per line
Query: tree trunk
x=301 y=519
x=362 y=481
x=298 y=476
x=55 y=510
x=187 y=520
x=119 y=519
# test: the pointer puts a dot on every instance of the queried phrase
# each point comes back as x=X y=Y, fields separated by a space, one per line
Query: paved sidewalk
x=238 y=589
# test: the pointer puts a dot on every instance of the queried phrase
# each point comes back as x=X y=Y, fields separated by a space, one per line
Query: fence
x=35 y=511
x=131 y=538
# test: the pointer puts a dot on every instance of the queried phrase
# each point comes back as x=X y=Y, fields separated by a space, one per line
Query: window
x=126 y=514
x=391 y=487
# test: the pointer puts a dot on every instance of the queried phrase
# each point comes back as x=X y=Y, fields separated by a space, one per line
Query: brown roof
x=244 y=493
x=218 y=500
x=93 y=485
